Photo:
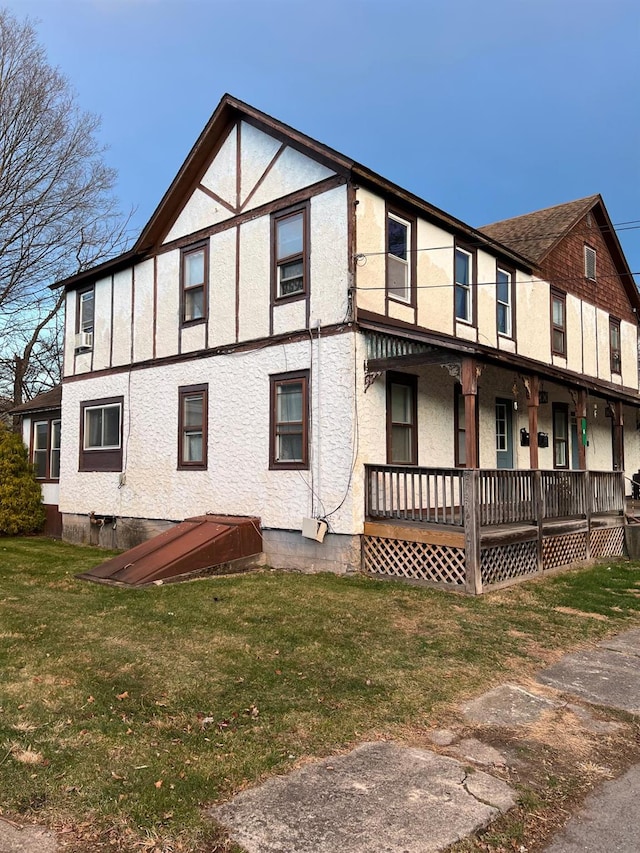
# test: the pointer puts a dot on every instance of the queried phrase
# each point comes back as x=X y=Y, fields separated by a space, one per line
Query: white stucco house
x=293 y=336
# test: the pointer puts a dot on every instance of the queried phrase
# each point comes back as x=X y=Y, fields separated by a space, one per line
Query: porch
x=475 y=529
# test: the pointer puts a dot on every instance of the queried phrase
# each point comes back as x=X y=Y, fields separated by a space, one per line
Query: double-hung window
x=615 y=353
x=558 y=323
x=402 y=416
x=504 y=302
x=463 y=285
x=45 y=453
x=194 y=276
x=101 y=434
x=289 y=433
x=399 y=262
x=192 y=426
x=290 y=253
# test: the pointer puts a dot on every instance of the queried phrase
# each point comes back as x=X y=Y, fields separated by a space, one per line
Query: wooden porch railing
x=453 y=496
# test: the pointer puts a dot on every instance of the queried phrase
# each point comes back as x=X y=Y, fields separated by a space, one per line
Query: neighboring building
x=288 y=317
x=41 y=420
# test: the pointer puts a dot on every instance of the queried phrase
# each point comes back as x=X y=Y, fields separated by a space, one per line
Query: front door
x=504 y=434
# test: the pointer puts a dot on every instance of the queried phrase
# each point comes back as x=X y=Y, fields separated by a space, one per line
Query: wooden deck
x=490 y=528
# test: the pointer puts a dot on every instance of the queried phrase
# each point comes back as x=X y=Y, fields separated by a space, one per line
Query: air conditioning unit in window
x=84 y=340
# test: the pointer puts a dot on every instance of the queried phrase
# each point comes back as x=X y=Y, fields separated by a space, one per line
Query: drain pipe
x=319 y=431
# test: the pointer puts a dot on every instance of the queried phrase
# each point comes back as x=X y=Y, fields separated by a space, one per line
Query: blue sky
x=486 y=109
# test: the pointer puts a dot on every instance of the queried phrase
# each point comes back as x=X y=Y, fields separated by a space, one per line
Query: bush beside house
x=20 y=494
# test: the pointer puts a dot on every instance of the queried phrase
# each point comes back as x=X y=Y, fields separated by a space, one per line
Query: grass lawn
x=123 y=712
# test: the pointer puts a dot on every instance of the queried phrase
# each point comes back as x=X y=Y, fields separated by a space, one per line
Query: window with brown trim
x=289 y=420
x=101 y=434
x=615 y=352
x=464 y=284
x=194 y=277
x=560 y=435
x=505 y=301
x=590 y=263
x=402 y=419
x=400 y=257
x=45 y=448
x=290 y=230
x=192 y=426
x=558 y=322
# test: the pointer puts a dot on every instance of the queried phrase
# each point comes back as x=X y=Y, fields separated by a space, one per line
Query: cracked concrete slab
x=601 y=676
x=380 y=796
x=508 y=705
x=28 y=839
x=471 y=749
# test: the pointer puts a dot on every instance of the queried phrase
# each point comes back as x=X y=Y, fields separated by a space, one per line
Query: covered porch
x=476 y=529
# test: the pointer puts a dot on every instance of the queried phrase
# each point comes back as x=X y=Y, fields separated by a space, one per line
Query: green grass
x=128 y=710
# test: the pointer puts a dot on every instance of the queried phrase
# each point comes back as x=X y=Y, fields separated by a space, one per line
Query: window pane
x=558 y=312
x=194 y=304
x=289 y=236
x=55 y=435
x=401 y=408
x=501 y=427
x=503 y=317
x=401 y=444
x=462 y=447
x=111 y=423
x=463 y=263
x=615 y=337
x=290 y=447
x=86 y=311
x=194 y=268
x=192 y=413
x=398 y=238
x=558 y=341
x=289 y=403
x=291 y=278
x=398 y=277
x=560 y=454
x=462 y=303
x=192 y=446
x=93 y=428
x=55 y=464
x=40 y=462
x=504 y=279
x=40 y=435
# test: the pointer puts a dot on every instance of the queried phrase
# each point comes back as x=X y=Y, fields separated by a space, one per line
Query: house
x=41 y=433
x=293 y=336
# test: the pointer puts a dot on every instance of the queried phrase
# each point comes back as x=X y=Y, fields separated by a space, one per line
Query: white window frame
x=83 y=297
x=465 y=286
x=508 y=332
x=404 y=294
x=88 y=409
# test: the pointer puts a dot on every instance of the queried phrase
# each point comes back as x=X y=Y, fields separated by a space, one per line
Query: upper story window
x=590 y=263
x=84 y=319
x=45 y=453
x=464 y=307
x=289 y=430
x=290 y=253
x=558 y=323
x=192 y=426
x=504 y=302
x=195 y=276
x=101 y=434
x=615 y=352
x=402 y=418
x=399 y=262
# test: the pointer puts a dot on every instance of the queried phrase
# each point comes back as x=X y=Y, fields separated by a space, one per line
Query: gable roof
x=535 y=234
x=44 y=402
x=230 y=110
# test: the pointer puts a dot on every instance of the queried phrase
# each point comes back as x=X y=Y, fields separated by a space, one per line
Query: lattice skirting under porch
x=563 y=550
x=505 y=562
x=607 y=542
x=413 y=560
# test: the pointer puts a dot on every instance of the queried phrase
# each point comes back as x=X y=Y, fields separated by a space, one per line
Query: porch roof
x=435 y=348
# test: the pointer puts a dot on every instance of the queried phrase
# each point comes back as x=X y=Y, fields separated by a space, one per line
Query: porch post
x=469 y=381
x=618 y=436
x=533 y=401
x=473 y=572
x=581 y=412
